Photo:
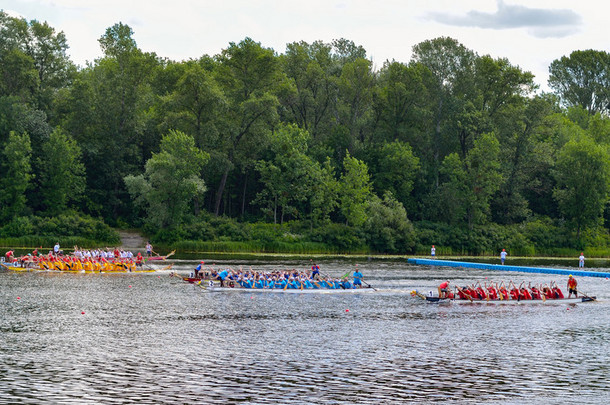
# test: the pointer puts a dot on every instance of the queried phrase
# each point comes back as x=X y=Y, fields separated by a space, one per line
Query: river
x=151 y=338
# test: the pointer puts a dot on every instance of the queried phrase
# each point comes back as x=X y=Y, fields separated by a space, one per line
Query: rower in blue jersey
x=357 y=278
x=345 y=284
x=222 y=276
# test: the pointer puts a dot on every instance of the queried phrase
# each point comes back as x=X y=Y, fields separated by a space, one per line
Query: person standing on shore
x=503 y=256
x=581 y=260
x=149 y=249
x=433 y=251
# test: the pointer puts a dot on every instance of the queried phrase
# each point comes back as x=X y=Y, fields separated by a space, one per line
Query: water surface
x=150 y=338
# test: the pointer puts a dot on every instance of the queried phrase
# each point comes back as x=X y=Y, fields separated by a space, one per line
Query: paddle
x=464 y=292
x=368 y=285
x=586 y=296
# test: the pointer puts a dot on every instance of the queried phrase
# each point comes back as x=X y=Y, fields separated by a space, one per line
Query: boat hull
x=289 y=291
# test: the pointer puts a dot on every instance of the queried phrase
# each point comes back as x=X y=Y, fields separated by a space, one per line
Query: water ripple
x=145 y=339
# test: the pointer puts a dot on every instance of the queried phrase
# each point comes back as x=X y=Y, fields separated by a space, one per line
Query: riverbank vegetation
x=307 y=151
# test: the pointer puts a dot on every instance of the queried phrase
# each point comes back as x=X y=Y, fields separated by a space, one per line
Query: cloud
x=542 y=23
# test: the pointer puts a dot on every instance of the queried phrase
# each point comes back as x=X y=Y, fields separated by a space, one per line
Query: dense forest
x=312 y=150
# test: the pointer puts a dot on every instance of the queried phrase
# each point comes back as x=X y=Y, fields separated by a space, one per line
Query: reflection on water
x=147 y=338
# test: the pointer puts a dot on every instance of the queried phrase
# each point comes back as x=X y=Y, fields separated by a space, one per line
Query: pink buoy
x=129 y=286
x=18 y=298
x=347 y=310
x=83 y=313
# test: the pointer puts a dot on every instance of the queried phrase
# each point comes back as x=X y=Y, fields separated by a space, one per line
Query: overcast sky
x=531 y=34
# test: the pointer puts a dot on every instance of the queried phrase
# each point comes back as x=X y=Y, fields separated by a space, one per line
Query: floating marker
x=347 y=310
x=83 y=313
x=18 y=298
x=129 y=286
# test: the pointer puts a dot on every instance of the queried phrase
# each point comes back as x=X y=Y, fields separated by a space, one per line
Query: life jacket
x=536 y=294
x=572 y=283
x=548 y=293
x=515 y=294
x=493 y=294
x=525 y=295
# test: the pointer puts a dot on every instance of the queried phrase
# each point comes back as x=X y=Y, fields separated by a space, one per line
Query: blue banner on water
x=486 y=266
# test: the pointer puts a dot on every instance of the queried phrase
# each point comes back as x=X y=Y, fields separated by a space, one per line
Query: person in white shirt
x=581 y=260
x=433 y=251
x=503 y=255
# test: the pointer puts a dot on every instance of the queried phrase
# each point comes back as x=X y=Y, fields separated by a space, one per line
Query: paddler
x=222 y=276
x=443 y=289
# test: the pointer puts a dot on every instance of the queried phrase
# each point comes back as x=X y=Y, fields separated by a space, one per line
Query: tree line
x=452 y=148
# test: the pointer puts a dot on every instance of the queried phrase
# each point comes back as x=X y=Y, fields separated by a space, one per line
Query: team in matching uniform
x=277 y=279
x=97 y=260
x=495 y=291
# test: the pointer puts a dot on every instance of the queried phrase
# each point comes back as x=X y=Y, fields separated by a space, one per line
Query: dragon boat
x=111 y=268
x=458 y=300
x=293 y=286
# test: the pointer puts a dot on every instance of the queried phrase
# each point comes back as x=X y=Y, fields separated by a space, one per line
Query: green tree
x=249 y=76
x=401 y=103
x=452 y=68
x=583 y=79
x=324 y=193
x=396 y=171
x=310 y=92
x=62 y=173
x=16 y=175
x=287 y=176
x=582 y=172
x=387 y=227
x=354 y=107
x=171 y=181
x=465 y=195
x=109 y=110
x=354 y=191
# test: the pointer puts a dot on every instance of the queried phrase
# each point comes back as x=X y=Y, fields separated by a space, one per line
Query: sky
x=529 y=33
